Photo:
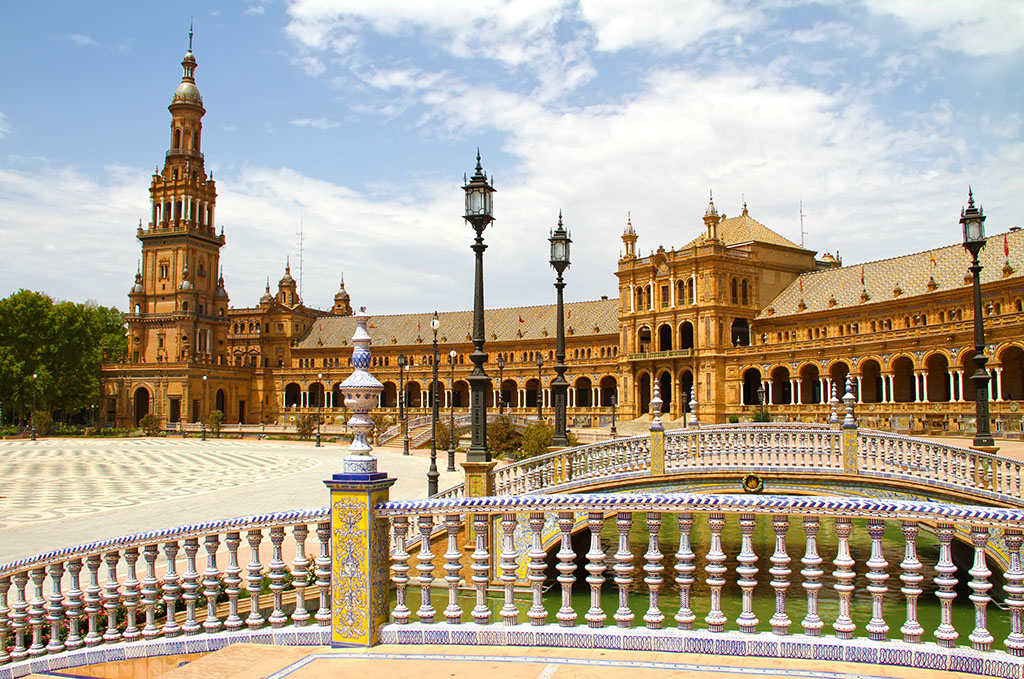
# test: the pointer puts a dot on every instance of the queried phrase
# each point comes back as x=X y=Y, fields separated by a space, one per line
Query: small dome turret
x=187 y=92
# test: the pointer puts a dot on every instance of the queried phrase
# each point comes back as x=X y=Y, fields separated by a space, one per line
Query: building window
x=164 y=270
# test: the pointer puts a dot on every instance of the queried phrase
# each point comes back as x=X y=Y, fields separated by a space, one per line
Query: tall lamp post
x=202 y=411
x=432 y=474
x=559 y=387
x=501 y=380
x=319 y=403
x=452 y=355
x=540 y=387
x=35 y=390
x=615 y=402
x=760 y=400
x=402 y=363
x=479 y=211
x=973 y=221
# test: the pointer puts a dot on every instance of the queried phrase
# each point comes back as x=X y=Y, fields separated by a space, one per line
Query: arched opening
x=584 y=389
x=643 y=386
x=649 y=297
x=141 y=403
x=685 y=390
x=337 y=397
x=460 y=395
x=735 y=291
x=292 y=395
x=745 y=293
x=870 y=382
x=740 y=333
x=810 y=384
x=509 y=391
x=782 y=390
x=609 y=390
x=665 y=338
x=414 y=395
x=176 y=144
x=665 y=387
x=1012 y=386
x=691 y=293
x=837 y=372
x=968 y=368
x=532 y=392
x=389 y=396
x=218 y=401
x=316 y=395
x=686 y=335
x=903 y=387
x=937 y=369
x=751 y=383
x=643 y=337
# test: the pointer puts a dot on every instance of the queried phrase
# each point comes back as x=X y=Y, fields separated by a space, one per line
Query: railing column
x=37 y=613
x=481 y=569
x=211 y=584
x=537 y=613
x=93 y=600
x=277 y=576
x=945 y=635
x=508 y=558
x=190 y=587
x=131 y=595
x=19 y=617
x=5 y=621
x=684 y=572
x=400 y=570
x=981 y=638
x=150 y=594
x=300 y=574
x=746 y=571
x=1014 y=589
x=566 y=615
x=911 y=578
x=595 y=569
x=453 y=568
x=623 y=570
x=844 y=576
x=780 y=572
x=716 y=569
x=877 y=628
x=425 y=567
x=654 y=569
x=55 y=609
x=112 y=597
x=170 y=592
x=233 y=581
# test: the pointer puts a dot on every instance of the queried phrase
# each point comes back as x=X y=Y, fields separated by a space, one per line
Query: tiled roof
x=744 y=229
x=912 y=274
x=599 y=317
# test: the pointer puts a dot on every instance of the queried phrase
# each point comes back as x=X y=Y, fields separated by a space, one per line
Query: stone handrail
x=510 y=543
x=68 y=589
x=395 y=430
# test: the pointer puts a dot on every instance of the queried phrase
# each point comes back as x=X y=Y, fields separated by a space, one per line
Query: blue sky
x=360 y=118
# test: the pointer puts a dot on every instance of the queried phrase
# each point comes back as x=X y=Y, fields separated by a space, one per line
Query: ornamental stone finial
x=834 y=403
x=848 y=400
x=361 y=390
x=693 y=422
x=656 y=404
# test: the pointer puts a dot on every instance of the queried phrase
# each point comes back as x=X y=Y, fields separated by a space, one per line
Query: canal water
x=764 y=595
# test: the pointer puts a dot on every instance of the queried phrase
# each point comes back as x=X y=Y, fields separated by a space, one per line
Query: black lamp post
x=615 y=402
x=319 y=403
x=540 y=387
x=760 y=400
x=202 y=411
x=501 y=381
x=432 y=474
x=560 y=241
x=402 y=362
x=35 y=390
x=973 y=221
x=479 y=214
x=451 y=415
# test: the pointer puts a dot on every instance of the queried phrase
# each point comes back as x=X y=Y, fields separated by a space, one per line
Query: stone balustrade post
x=657 y=435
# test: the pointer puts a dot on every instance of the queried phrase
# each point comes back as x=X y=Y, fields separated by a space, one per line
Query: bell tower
x=178 y=303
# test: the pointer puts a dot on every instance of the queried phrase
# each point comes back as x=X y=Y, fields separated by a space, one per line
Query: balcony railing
x=675 y=353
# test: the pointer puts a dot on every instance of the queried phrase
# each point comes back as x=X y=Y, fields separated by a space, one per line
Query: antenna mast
x=301 y=243
x=802 y=232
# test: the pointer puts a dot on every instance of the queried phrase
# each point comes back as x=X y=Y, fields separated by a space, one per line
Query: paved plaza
x=61 y=492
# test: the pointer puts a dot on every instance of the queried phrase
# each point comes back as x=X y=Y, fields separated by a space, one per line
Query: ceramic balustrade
x=68 y=589
x=503 y=545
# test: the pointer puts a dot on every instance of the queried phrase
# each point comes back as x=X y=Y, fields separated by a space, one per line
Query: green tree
x=213 y=422
x=536 y=439
x=150 y=424
x=305 y=425
x=502 y=437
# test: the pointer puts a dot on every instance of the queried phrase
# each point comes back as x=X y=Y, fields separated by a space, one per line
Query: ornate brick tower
x=178 y=303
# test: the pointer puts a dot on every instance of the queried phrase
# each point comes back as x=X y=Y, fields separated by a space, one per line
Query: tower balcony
x=184 y=153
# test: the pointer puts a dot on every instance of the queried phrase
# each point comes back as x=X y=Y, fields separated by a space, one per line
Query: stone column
x=997 y=384
x=924 y=387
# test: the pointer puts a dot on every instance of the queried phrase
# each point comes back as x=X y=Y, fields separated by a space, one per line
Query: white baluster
x=452 y=568
x=877 y=627
x=537 y=613
x=19 y=617
x=323 y=573
x=93 y=600
x=1014 y=589
x=481 y=569
x=654 y=569
x=945 y=635
x=425 y=567
x=112 y=597
x=211 y=584
x=684 y=572
x=232 y=582
x=276 y=574
x=37 y=612
x=911 y=577
x=981 y=638
x=300 y=575
x=715 y=569
x=509 y=556
x=131 y=595
x=566 y=616
x=844 y=576
x=5 y=620
x=623 y=570
x=780 y=575
x=54 y=610
x=400 y=570
x=190 y=587
x=150 y=593
x=595 y=569
x=254 y=579
x=746 y=571
x=171 y=591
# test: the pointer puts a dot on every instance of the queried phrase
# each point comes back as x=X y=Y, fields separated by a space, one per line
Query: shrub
x=213 y=422
x=756 y=415
x=734 y=419
x=305 y=425
x=502 y=437
x=43 y=422
x=536 y=439
x=150 y=424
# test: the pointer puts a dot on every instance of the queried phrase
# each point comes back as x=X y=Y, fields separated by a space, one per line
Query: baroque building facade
x=737 y=310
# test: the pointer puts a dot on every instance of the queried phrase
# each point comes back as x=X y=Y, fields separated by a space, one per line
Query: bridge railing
x=152 y=586
x=510 y=535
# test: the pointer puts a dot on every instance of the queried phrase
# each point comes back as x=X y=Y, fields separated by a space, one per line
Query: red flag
x=862 y=274
x=801 y=281
x=934 y=263
x=418 y=327
x=569 y=315
x=1006 y=247
x=521 y=318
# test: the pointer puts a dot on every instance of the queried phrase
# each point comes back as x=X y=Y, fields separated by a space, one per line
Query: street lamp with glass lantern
x=479 y=213
x=432 y=473
x=402 y=363
x=760 y=400
x=540 y=387
x=560 y=241
x=319 y=403
x=202 y=411
x=615 y=402
x=35 y=390
x=973 y=220
x=452 y=355
x=501 y=385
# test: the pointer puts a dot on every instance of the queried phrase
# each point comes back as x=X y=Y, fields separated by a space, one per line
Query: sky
x=354 y=123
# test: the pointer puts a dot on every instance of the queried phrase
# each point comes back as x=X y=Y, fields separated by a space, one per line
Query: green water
x=764 y=595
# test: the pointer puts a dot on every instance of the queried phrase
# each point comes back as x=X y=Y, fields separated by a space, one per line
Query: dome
x=185 y=285
x=221 y=292
x=187 y=93
x=137 y=288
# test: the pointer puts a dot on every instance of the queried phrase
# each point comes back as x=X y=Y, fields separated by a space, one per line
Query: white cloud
x=5 y=127
x=255 y=9
x=80 y=40
x=979 y=28
x=657 y=25
x=315 y=123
